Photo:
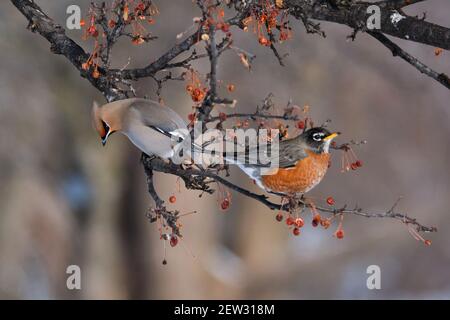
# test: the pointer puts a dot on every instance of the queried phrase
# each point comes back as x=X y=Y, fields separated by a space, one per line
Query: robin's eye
x=318 y=136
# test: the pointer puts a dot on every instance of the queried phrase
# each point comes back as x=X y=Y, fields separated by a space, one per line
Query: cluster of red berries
x=266 y=18
x=195 y=88
x=143 y=10
x=349 y=159
x=197 y=93
x=296 y=223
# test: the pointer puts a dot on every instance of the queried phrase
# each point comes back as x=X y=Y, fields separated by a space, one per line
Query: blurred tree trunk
x=131 y=222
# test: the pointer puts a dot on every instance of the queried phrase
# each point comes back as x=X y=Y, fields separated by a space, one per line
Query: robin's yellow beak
x=331 y=136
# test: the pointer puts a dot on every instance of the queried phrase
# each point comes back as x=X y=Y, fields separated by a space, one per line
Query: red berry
x=316 y=220
x=172 y=199
x=191 y=117
x=140 y=7
x=225 y=204
x=427 y=242
x=91 y=30
x=296 y=231
x=330 y=201
x=290 y=221
x=279 y=217
x=339 y=234
x=359 y=163
x=264 y=41
x=299 y=222
x=197 y=95
x=173 y=241
x=354 y=166
x=301 y=125
x=225 y=27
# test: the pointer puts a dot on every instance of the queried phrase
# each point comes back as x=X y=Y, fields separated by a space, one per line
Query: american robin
x=148 y=124
x=303 y=162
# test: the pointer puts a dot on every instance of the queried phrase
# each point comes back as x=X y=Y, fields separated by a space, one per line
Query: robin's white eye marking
x=318 y=136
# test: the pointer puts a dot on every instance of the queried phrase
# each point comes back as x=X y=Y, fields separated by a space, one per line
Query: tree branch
x=61 y=44
x=190 y=175
x=355 y=16
x=108 y=81
x=397 y=51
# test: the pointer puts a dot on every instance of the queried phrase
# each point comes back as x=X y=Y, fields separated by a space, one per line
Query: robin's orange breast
x=306 y=174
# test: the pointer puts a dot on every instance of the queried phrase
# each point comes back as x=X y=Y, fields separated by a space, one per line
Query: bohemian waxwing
x=150 y=126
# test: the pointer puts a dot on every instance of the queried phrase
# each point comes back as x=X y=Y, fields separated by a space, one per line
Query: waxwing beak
x=105 y=139
x=331 y=136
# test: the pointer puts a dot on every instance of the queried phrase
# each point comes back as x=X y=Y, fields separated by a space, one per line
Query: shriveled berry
x=164 y=262
x=95 y=74
x=330 y=201
x=173 y=241
x=231 y=87
x=191 y=117
x=325 y=223
x=172 y=199
x=290 y=221
x=225 y=204
x=296 y=231
x=438 y=51
x=225 y=27
x=316 y=220
x=279 y=217
x=339 y=234
x=197 y=95
x=263 y=41
x=299 y=222
x=358 y=163
x=301 y=125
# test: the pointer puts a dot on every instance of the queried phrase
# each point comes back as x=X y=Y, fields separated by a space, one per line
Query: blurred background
x=64 y=199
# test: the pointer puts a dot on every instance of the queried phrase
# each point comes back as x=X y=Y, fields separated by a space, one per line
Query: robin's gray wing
x=285 y=155
x=290 y=153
